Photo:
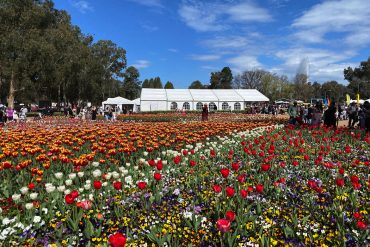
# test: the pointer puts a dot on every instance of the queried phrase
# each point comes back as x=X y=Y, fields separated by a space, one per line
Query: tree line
x=276 y=86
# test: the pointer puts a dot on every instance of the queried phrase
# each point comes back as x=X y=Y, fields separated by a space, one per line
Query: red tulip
x=141 y=185
x=341 y=171
x=230 y=215
x=217 y=188
x=184 y=152
x=356 y=186
x=159 y=165
x=225 y=172
x=151 y=163
x=223 y=225
x=117 y=185
x=192 y=163
x=69 y=199
x=243 y=194
x=31 y=186
x=177 y=160
x=97 y=184
x=339 y=182
x=117 y=240
x=259 y=188
x=306 y=157
x=74 y=194
x=295 y=163
x=235 y=166
x=361 y=225
x=230 y=191
x=157 y=176
x=86 y=204
x=354 y=179
x=265 y=167
x=357 y=215
x=241 y=178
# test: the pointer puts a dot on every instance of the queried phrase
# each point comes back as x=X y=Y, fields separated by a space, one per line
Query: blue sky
x=185 y=40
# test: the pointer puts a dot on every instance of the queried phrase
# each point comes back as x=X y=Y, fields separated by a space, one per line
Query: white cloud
x=323 y=64
x=141 y=64
x=205 y=57
x=149 y=3
x=348 y=17
x=201 y=18
x=82 y=6
x=173 y=50
x=206 y=16
x=244 y=62
x=248 y=12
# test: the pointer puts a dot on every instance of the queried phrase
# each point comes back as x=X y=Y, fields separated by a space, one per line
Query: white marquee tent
x=121 y=103
x=153 y=99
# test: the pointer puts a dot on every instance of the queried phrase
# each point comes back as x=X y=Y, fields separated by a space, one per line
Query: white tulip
x=128 y=180
x=128 y=164
x=69 y=182
x=33 y=196
x=88 y=181
x=81 y=190
x=50 y=188
x=91 y=197
x=61 y=188
x=24 y=190
x=29 y=205
x=58 y=175
x=96 y=173
x=6 y=221
x=36 y=219
x=87 y=186
x=72 y=175
x=108 y=175
x=95 y=163
x=115 y=175
x=16 y=197
x=80 y=174
x=67 y=191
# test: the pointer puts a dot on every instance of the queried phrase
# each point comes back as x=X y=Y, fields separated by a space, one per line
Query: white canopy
x=117 y=101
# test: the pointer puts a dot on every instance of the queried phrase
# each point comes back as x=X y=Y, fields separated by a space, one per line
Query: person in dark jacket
x=329 y=116
x=205 y=113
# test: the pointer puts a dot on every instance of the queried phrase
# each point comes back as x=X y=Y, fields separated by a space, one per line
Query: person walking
x=205 y=113
x=329 y=116
x=293 y=112
x=352 y=115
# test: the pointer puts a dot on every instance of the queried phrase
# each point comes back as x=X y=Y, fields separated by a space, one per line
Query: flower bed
x=200 y=184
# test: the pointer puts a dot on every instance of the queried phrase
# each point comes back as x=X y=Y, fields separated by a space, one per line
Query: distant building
x=153 y=99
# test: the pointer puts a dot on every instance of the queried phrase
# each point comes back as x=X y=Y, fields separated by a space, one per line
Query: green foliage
x=131 y=84
x=168 y=85
x=221 y=79
x=196 y=85
x=359 y=79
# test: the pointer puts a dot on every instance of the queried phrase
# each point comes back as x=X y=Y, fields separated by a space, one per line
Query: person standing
x=205 y=113
x=293 y=113
x=352 y=115
x=329 y=116
x=9 y=114
x=366 y=109
x=316 y=115
x=94 y=112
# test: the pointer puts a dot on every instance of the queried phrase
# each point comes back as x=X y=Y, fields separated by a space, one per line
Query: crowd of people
x=357 y=115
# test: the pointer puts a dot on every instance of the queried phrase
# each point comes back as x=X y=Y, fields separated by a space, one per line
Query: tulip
x=259 y=188
x=141 y=185
x=265 y=167
x=243 y=194
x=361 y=225
x=217 y=188
x=33 y=196
x=230 y=215
x=74 y=194
x=29 y=205
x=117 y=185
x=16 y=197
x=69 y=199
x=157 y=176
x=117 y=240
x=31 y=186
x=97 y=184
x=230 y=191
x=339 y=182
x=223 y=225
x=225 y=172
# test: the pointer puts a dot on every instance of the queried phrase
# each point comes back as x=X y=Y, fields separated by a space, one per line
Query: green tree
x=359 y=79
x=131 y=84
x=168 y=85
x=145 y=83
x=196 y=85
x=221 y=79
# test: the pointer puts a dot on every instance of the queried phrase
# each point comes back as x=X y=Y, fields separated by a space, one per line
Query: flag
x=328 y=100
x=358 y=98
x=348 y=99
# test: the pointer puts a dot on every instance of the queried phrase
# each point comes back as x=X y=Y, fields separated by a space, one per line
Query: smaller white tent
x=118 y=102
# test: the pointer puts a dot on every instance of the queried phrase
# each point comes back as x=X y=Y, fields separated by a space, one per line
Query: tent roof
x=153 y=94
x=117 y=101
x=136 y=101
x=179 y=95
x=251 y=95
x=203 y=95
x=227 y=95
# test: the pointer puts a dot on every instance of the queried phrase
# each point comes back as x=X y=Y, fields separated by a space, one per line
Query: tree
x=131 y=84
x=168 y=85
x=359 y=79
x=146 y=84
x=250 y=79
x=221 y=79
x=196 y=85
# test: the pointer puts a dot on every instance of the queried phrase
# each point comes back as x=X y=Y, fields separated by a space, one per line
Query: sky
x=185 y=40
